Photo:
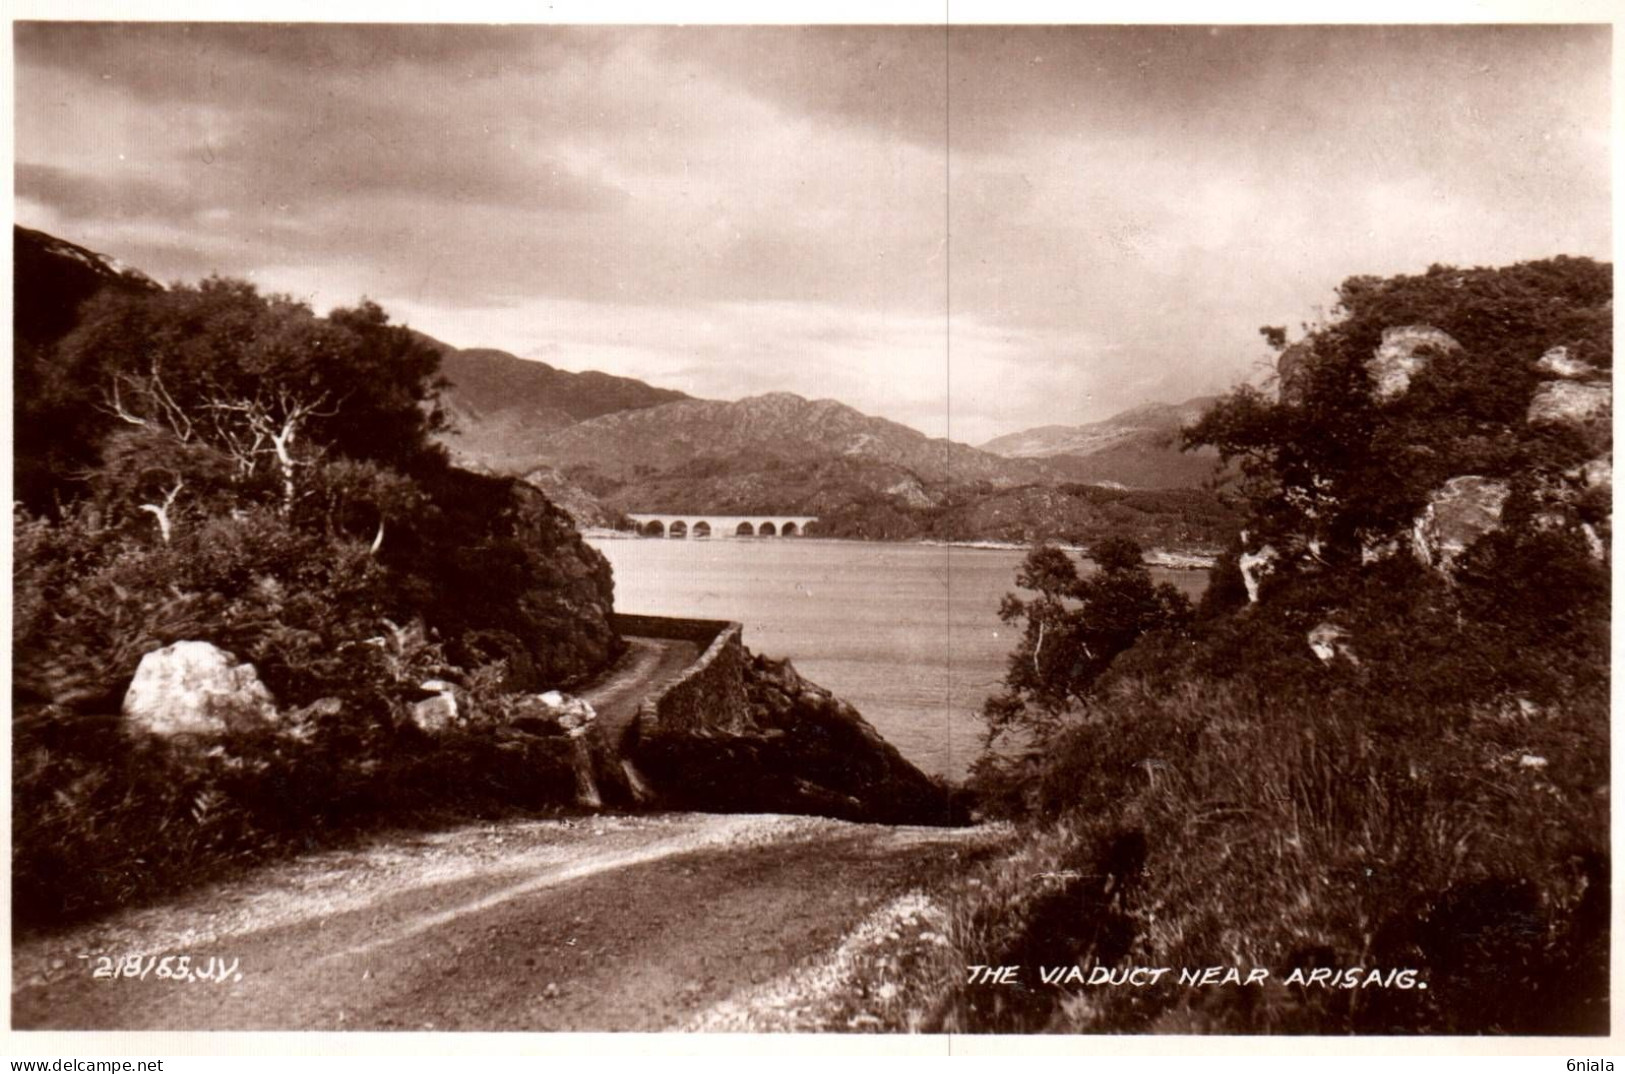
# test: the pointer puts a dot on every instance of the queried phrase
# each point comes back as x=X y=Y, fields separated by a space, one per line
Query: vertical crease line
x=947 y=357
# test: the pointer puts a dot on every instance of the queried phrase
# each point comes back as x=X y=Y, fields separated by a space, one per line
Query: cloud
x=1067 y=221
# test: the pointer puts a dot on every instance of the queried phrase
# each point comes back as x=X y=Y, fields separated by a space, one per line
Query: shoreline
x=1154 y=557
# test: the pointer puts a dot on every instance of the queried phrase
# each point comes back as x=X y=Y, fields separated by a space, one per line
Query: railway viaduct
x=721 y=526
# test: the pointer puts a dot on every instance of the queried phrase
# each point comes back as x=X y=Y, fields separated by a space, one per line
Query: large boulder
x=554 y=712
x=1458 y=513
x=1403 y=353
x=194 y=688
x=558 y=713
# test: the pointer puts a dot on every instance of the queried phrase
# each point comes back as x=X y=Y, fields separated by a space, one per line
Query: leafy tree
x=1072 y=630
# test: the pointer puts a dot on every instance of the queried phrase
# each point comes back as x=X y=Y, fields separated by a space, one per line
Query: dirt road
x=599 y=923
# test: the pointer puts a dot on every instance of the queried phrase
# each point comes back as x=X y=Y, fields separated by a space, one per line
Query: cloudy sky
x=973 y=231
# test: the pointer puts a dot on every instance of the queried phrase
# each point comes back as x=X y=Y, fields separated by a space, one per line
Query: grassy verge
x=1329 y=830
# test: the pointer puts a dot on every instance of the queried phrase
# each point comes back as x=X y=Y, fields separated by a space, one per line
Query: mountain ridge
x=1135 y=448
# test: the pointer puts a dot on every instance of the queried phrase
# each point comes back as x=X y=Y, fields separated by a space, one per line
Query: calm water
x=908 y=633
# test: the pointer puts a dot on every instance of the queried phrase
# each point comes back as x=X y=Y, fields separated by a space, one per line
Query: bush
x=1072 y=630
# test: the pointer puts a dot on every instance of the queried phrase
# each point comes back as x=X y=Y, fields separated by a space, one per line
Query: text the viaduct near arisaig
x=721 y=526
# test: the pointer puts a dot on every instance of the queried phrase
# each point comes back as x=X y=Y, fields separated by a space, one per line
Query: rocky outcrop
x=742 y=733
x=194 y=688
x=1403 y=353
x=1461 y=511
x=1570 y=402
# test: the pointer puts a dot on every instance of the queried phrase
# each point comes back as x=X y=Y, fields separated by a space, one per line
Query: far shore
x=1154 y=557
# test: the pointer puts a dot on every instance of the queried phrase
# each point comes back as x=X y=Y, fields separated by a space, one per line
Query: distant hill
x=52 y=279
x=778 y=427
x=865 y=477
x=1138 y=448
x=503 y=407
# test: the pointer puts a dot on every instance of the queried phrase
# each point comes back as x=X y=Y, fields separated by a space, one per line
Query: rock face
x=1402 y=354
x=192 y=687
x=767 y=740
x=1461 y=511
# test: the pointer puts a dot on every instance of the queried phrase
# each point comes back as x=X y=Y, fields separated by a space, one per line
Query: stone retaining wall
x=709 y=696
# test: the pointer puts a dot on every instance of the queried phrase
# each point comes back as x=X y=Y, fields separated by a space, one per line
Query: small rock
x=1373 y=550
x=1599 y=472
x=435 y=714
x=1559 y=363
x=1329 y=641
x=1255 y=566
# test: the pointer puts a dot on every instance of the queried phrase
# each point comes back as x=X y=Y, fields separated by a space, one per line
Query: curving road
x=600 y=923
x=647 y=665
x=596 y=923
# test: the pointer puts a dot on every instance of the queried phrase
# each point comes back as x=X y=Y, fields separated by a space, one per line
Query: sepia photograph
x=947 y=528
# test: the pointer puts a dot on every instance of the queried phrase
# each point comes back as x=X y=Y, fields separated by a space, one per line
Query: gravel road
x=598 y=923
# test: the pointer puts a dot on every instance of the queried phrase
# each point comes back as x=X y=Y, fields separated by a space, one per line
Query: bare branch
x=161 y=511
x=116 y=406
x=180 y=424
